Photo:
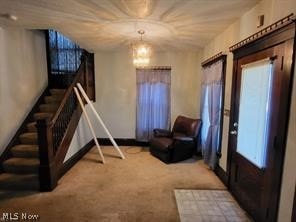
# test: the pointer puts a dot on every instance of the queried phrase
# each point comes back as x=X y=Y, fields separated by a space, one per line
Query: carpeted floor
x=140 y=188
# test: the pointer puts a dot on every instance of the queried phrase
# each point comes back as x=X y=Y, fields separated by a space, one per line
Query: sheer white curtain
x=153 y=101
x=211 y=102
x=255 y=101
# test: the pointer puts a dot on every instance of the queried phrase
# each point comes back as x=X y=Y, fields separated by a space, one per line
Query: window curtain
x=64 y=54
x=153 y=101
x=211 y=102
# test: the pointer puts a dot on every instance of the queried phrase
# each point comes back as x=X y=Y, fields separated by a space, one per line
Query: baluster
x=50 y=134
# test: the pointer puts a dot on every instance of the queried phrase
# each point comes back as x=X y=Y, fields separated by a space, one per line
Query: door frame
x=284 y=35
x=293 y=219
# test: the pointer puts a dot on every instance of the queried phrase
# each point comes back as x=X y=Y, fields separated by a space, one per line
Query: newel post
x=84 y=59
x=47 y=168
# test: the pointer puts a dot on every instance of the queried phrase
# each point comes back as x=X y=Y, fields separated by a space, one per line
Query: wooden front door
x=257 y=134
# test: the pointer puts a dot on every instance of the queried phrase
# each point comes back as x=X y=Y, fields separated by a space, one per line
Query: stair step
x=31 y=127
x=52 y=107
x=29 y=138
x=52 y=99
x=10 y=181
x=26 y=151
x=57 y=91
x=42 y=115
x=18 y=165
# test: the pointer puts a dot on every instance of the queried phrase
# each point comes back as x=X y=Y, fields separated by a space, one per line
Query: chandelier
x=141 y=52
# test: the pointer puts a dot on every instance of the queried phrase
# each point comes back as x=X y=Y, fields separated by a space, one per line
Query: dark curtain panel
x=64 y=54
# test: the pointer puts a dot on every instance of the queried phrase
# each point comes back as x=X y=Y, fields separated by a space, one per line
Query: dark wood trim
x=47 y=167
x=288 y=72
x=15 y=139
x=224 y=59
x=271 y=40
x=102 y=141
x=122 y=142
x=213 y=59
x=269 y=29
x=222 y=175
x=48 y=59
x=75 y=158
x=283 y=35
x=55 y=134
x=231 y=117
x=92 y=77
x=155 y=68
x=293 y=219
x=68 y=135
x=80 y=74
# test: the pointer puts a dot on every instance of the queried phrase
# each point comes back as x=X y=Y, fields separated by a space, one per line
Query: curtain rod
x=156 y=67
x=213 y=58
x=273 y=27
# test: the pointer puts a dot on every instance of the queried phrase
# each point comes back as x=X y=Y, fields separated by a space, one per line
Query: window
x=153 y=101
x=64 y=54
x=254 y=111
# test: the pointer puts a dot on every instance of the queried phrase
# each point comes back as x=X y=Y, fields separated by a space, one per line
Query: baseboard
x=102 y=141
x=122 y=142
x=75 y=158
x=222 y=175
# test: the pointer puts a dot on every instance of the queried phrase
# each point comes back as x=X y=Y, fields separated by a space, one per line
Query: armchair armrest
x=162 y=133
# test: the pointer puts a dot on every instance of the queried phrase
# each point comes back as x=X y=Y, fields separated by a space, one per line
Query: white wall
x=116 y=88
x=116 y=93
x=81 y=136
x=242 y=28
x=23 y=76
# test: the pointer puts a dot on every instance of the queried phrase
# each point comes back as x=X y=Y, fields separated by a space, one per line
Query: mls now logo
x=10 y=217
x=19 y=217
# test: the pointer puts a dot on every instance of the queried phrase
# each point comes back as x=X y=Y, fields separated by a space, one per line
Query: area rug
x=208 y=205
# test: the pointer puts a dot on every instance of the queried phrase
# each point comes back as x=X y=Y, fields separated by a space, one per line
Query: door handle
x=233 y=132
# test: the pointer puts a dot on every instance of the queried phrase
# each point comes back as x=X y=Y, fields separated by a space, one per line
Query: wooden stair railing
x=55 y=134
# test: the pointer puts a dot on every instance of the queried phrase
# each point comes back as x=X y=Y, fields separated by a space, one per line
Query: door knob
x=233 y=132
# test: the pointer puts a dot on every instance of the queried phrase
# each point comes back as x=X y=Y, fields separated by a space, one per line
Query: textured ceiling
x=111 y=24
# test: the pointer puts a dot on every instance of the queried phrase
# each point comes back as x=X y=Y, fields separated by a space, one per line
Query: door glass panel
x=254 y=111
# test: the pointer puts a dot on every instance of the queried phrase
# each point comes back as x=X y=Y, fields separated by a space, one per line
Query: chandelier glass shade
x=141 y=52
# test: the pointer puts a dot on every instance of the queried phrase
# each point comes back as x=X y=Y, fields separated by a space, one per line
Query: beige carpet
x=140 y=188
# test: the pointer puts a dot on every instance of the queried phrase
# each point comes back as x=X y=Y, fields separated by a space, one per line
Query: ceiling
x=112 y=24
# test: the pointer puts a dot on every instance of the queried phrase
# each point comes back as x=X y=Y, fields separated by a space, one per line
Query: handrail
x=67 y=94
x=59 y=123
x=54 y=135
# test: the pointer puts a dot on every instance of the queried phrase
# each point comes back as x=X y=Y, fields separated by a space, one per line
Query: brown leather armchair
x=178 y=144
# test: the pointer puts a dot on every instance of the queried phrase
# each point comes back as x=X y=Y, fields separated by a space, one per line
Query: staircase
x=34 y=158
x=21 y=169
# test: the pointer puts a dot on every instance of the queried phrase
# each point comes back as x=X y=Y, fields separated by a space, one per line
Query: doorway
x=261 y=90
